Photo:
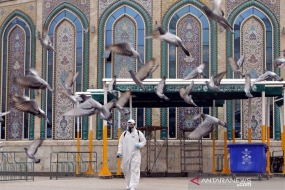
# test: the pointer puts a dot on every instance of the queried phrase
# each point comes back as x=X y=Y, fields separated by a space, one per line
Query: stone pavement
x=146 y=183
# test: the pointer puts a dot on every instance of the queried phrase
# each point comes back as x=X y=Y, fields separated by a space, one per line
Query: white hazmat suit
x=131 y=155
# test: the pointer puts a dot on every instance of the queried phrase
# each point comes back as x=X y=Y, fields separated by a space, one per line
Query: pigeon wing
x=233 y=64
x=146 y=69
x=108 y=106
x=123 y=99
x=70 y=79
x=247 y=84
x=161 y=85
x=192 y=74
x=217 y=79
x=182 y=92
x=32 y=150
x=33 y=71
x=240 y=61
x=30 y=106
x=189 y=88
x=120 y=48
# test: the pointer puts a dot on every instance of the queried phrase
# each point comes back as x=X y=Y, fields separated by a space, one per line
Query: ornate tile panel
x=16 y=68
x=65 y=61
x=28 y=8
x=49 y=5
x=124 y=31
x=103 y=5
x=253 y=49
x=124 y=120
x=166 y=4
x=146 y=4
x=273 y=5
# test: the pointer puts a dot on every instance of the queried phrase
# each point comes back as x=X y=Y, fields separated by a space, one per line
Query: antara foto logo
x=195 y=180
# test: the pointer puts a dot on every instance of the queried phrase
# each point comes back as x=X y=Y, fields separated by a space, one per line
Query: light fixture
x=38 y=34
x=92 y=29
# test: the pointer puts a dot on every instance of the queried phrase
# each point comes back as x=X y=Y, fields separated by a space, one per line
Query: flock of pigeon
x=86 y=106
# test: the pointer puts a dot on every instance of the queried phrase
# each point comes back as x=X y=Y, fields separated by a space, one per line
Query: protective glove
x=119 y=155
x=138 y=145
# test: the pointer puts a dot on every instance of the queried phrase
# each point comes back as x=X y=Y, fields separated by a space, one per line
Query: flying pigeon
x=215 y=81
x=126 y=49
x=73 y=98
x=69 y=81
x=168 y=38
x=25 y=104
x=111 y=86
x=32 y=81
x=185 y=94
x=236 y=66
x=195 y=72
x=206 y=127
x=3 y=114
x=217 y=14
x=107 y=115
x=143 y=72
x=46 y=43
x=32 y=150
x=279 y=62
x=122 y=101
x=159 y=89
x=267 y=75
x=1 y=144
x=247 y=86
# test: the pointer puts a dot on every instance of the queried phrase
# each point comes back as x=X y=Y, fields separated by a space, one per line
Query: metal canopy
x=202 y=96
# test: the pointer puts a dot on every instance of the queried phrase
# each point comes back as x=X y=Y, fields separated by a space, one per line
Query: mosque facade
x=80 y=30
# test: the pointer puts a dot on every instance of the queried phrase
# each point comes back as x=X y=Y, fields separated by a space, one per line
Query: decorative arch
x=73 y=12
x=101 y=37
x=30 y=60
x=229 y=52
x=173 y=15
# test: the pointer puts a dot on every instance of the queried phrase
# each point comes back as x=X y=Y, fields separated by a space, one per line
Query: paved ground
x=159 y=183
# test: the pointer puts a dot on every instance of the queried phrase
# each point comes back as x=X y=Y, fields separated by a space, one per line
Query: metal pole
x=90 y=170
x=263 y=118
x=78 y=146
x=281 y=123
x=214 y=146
x=119 y=135
x=233 y=127
x=226 y=169
x=105 y=172
x=268 y=136
x=131 y=107
x=283 y=132
x=249 y=121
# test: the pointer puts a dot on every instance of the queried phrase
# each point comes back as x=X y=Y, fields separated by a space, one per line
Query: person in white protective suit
x=129 y=150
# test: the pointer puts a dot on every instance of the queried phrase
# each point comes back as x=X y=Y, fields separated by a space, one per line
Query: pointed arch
x=23 y=19
x=229 y=52
x=66 y=10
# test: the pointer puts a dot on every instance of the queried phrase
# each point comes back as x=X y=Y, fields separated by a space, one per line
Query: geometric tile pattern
x=165 y=5
x=253 y=50
x=189 y=30
x=273 y=5
x=65 y=61
x=16 y=68
x=103 y=5
x=124 y=31
x=146 y=4
x=50 y=5
x=28 y=8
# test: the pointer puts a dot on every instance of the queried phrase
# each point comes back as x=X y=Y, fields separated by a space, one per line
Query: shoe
x=128 y=188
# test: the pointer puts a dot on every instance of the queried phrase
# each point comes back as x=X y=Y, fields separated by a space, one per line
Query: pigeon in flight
x=73 y=98
x=159 y=89
x=3 y=114
x=69 y=82
x=46 y=43
x=111 y=86
x=196 y=72
x=143 y=73
x=206 y=127
x=217 y=14
x=168 y=38
x=247 y=86
x=32 y=150
x=267 y=75
x=236 y=66
x=122 y=101
x=32 y=81
x=214 y=83
x=107 y=115
x=1 y=144
x=25 y=104
x=126 y=49
x=185 y=94
x=279 y=62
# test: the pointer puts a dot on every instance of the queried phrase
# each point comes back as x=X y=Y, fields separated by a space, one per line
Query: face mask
x=130 y=129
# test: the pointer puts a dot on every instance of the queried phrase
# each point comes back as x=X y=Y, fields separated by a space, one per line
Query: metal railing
x=14 y=165
x=64 y=164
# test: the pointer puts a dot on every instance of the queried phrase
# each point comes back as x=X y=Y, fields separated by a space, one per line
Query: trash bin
x=248 y=158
